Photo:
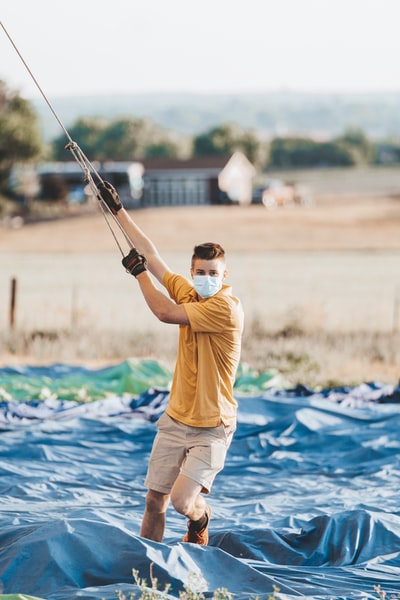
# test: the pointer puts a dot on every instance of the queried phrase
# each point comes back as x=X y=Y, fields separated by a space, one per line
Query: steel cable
x=86 y=166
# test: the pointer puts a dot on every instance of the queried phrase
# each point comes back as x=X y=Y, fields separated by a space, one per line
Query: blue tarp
x=308 y=500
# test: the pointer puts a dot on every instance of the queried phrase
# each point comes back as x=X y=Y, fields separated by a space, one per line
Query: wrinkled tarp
x=308 y=500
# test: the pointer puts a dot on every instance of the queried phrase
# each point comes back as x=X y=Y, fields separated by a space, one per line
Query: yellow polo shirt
x=208 y=356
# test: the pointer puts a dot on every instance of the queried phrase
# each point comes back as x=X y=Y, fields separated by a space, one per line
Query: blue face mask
x=207 y=286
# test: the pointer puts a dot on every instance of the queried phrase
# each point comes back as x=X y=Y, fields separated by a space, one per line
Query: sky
x=87 y=47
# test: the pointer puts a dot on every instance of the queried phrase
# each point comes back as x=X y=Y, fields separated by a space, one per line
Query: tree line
x=131 y=138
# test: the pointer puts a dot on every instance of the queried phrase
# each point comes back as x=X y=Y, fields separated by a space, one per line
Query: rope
x=87 y=169
x=84 y=163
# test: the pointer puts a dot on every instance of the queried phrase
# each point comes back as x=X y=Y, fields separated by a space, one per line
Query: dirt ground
x=333 y=265
x=333 y=223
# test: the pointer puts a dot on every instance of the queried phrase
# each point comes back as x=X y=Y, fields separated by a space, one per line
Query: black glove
x=135 y=263
x=110 y=196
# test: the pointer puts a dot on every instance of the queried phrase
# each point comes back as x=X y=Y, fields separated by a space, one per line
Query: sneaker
x=198 y=537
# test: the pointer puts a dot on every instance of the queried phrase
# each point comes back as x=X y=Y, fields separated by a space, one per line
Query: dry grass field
x=320 y=285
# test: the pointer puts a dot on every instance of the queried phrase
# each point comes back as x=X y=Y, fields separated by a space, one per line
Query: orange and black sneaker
x=200 y=536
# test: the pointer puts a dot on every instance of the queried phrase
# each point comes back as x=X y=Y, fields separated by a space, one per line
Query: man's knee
x=185 y=496
x=181 y=504
x=156 y=502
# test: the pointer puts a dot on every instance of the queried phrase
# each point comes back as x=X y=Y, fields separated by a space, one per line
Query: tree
x=291 y=152
x=361 y=148
x=124 y=139
x=162 y=149
x=86 y=132
x=225 y=139
x=20 y=136
x=305 y=152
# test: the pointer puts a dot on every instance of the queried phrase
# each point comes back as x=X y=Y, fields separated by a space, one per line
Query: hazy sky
x=77 y=47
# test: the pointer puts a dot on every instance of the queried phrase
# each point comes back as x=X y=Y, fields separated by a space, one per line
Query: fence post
x=13 y=299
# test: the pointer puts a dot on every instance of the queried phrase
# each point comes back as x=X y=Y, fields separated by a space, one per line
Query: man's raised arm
x=139 y=239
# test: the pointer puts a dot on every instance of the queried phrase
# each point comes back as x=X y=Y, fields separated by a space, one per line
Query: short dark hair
x=208 y=251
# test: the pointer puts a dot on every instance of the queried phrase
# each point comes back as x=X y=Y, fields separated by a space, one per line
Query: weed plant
x=196 y=586
x=193 y=589
x=313 y=357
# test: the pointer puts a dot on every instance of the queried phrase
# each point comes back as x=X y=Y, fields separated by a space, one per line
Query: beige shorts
x=196 y=452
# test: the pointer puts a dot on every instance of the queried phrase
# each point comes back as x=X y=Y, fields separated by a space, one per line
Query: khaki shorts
x=196 y=452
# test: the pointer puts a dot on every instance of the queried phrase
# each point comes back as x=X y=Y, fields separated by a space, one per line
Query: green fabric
x=132 y=377
x=251 y=381
x=18 y=597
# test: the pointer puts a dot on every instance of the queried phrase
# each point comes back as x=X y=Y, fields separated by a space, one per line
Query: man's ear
x=224 y=275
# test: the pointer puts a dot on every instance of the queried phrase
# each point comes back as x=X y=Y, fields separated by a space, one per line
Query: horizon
x=188 y=93
x=272 y=113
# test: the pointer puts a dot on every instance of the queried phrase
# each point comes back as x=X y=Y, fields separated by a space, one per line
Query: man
x=196 y=429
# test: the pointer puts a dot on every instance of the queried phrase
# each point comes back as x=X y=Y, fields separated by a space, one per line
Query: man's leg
x=153 y=523
x=186 y=498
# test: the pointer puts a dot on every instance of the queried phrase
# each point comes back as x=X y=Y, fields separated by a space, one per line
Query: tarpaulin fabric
x=132 y=377
x=73 y=382
x=308 y=500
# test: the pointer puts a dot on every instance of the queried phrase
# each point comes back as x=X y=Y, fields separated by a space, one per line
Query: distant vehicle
x=277 y=193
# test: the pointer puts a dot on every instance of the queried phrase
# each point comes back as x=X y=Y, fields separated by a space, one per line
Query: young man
x=196 y=429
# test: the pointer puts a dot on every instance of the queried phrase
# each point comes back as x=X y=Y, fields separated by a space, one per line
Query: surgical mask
x=207 y=286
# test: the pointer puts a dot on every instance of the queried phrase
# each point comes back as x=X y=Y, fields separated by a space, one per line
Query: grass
x=324 y=358
x=315 y=357
x=193 y=589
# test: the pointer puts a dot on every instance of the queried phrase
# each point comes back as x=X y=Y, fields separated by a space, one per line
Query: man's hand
x=110 y=196
x=134 y=262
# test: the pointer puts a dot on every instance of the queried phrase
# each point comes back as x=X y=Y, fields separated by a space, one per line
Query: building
x=170 y=182
x=201 y=180
x=162 y=181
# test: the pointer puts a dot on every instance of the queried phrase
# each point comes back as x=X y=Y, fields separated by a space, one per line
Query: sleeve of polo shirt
x=179 y=288
x=210 y=316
